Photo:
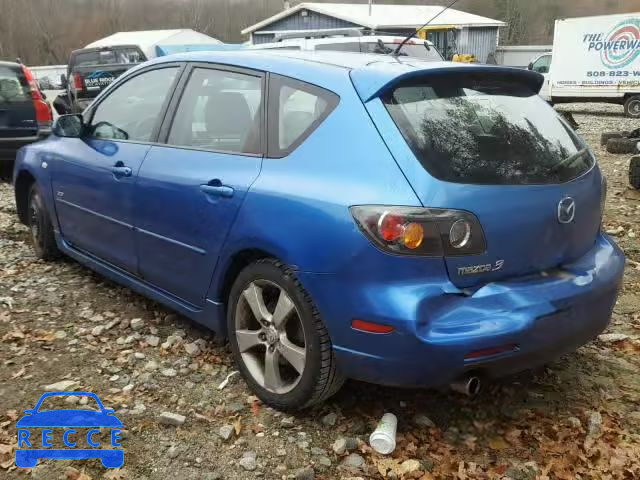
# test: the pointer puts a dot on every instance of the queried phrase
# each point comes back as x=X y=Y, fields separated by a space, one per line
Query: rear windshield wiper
x=571 y=159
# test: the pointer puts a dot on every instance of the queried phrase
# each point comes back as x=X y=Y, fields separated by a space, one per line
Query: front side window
x=470 y=129
x=219 y=110
x=296 y=110
x=132 y=110
x=542 y=65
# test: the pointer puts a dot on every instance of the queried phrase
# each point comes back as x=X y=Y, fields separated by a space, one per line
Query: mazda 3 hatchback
x=336 y=215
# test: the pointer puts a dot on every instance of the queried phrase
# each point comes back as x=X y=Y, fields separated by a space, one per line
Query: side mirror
x=29 y=411
x=69 y=126
x=63 y=81
x=530 y=66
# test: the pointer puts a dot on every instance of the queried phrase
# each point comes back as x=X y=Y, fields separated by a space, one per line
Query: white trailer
x=594 y=59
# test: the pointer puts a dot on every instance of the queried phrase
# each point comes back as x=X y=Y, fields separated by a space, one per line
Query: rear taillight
x=78 y=82
x=44 y=114
x=421 y=231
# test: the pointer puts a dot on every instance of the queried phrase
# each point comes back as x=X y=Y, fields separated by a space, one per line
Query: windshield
x=486 y=131
x=412 y=48
x=13 y=87
x=116 y=56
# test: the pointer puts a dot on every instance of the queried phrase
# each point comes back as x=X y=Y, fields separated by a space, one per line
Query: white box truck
x=594 y=59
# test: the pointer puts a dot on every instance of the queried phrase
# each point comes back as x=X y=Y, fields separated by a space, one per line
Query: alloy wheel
x=270 y=336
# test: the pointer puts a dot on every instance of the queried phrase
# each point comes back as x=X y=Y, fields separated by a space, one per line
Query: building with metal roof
x=453 y=31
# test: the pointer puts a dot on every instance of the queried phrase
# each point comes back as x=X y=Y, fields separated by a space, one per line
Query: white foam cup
x=383 y=438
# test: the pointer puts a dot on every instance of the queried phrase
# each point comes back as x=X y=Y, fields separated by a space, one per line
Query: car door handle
x=217 y=190
x=121 y=171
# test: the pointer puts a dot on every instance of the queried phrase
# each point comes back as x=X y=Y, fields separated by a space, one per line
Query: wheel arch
x=22 y=185
x=232 y=268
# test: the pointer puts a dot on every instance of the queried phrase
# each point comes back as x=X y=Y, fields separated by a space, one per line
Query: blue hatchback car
x=336 y=215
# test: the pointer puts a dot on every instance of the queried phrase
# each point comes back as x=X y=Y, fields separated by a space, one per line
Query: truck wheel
x=278 y=340
x=634 y=172
x=604 y=138
x=622 y=145
x=632 y=106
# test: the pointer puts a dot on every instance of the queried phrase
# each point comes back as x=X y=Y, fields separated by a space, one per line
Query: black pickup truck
x=91 y=70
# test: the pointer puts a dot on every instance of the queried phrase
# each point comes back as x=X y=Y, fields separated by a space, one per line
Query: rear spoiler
x=374 y=79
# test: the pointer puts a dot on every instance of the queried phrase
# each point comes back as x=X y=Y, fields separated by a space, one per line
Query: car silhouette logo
x=566 y=210
x=68 y=419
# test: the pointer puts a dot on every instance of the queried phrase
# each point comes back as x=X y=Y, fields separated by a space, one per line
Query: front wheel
x=278 y=340
x=39 y=222
x=632 y=106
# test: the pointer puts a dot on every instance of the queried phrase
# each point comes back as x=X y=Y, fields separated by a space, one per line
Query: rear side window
x=131 y=111
x=296 y=109
x=13 y=86
x=486 y=131
x=219 y=110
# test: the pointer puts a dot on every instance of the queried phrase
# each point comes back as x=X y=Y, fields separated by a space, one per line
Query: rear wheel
x=632 y=106
x=622 y=145
x=634 y=172
x=278 y=340
x=39 y=222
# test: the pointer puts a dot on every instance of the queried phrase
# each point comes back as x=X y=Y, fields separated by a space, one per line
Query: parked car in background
x=93 y=68
x=25 y=115
x=387 y=219
x=352 y=41
x=45 y=83
x=594 y=59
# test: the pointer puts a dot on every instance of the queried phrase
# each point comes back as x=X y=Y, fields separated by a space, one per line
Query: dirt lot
x=579 y=418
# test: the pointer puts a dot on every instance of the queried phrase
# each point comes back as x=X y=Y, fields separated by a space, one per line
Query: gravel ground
x=578 y=418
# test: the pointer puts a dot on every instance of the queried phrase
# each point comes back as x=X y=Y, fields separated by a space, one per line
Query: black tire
x=606 y=136
x=622 y=145
x=632 y=106
x=634 y=172
x=42 y=237
x=6 y=170
x=320 y=377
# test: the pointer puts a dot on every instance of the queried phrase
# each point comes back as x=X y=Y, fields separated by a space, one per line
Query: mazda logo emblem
x=566 y=210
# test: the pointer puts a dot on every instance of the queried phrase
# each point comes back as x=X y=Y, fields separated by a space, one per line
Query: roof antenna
x=396 y=52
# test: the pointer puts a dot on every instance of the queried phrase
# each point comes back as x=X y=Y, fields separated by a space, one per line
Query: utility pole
x=370 y=6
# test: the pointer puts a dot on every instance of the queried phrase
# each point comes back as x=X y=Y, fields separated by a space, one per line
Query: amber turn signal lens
x=413 y=235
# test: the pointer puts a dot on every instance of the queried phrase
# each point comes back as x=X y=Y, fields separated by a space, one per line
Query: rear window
x=13 y=86
x=486 y=131
x=116 y=56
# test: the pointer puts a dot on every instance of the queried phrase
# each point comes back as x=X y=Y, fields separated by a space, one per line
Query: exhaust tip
x=469 y=386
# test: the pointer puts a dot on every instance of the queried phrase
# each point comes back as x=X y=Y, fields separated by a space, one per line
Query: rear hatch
x=17 y=112
x=484 y=142
x=92 y=70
